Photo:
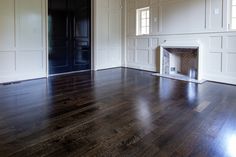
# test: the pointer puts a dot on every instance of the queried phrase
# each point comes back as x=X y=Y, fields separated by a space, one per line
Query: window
x=143 y=19
x=233 y=13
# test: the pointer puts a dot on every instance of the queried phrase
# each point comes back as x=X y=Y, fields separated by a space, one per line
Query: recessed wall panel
x=214 y=62
x=231 y=40
x=29 y=62
x=131 y=22
x=131 y=43
x=7 y=63
x=142 y=57
x=131 y=56
x=216 y=43
x=155 y=43
x=216 y=14
x=7 y=25
x=142 y=43
x=29 y=24
x=231 y=63
x=182 y=16
x=115 y=29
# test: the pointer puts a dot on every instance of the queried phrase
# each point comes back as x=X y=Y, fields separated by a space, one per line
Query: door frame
x=47 y=47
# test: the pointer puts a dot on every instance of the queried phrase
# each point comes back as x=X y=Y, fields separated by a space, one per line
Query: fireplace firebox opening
x=180 y=62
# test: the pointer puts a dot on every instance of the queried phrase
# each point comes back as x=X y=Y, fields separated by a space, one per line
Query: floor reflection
x=230 y=144
x=192 y=94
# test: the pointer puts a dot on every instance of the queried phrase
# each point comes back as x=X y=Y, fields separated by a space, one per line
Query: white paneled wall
x=221 y=58
x=22 y=40
x=141 y=53
x=108 y=34
x=200 y=20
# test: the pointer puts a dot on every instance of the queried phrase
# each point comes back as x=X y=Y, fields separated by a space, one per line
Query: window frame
x=139 y=21
x=231 y=16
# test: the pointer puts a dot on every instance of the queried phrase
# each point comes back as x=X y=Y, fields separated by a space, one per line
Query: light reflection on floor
x=192 y=91
x=231 y=145
x=144 y=114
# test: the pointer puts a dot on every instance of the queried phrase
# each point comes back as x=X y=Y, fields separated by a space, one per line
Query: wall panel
x=216 y=21
x=142 y=43
x=7 y=25
x=29 y=62
x=214 y=65
x=7 y=63
x=216 y=42
x=231 y=63
x=114 y=34
x=142 y=57
x=108 y=34
x=230 y=43
x=29 y=24
x=180 y=16
x=22 y=40
x=131 y=56
x=131 y=22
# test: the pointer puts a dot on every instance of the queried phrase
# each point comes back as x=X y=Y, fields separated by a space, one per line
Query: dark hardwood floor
x=117 y=112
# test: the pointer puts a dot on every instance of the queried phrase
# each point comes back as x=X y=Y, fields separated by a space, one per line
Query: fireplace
x=181 y=60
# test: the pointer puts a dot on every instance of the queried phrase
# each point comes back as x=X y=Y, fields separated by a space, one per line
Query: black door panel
x=69 y=35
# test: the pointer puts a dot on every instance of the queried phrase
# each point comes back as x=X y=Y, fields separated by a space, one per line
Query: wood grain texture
x=116 y=112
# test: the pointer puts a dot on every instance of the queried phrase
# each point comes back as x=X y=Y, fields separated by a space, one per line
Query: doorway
x=69 y=35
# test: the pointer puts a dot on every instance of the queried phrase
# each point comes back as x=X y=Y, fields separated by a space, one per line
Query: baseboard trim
x=221 y=79
x=67 y=73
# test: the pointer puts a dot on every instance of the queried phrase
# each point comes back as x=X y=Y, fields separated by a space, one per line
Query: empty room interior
x=122 y=78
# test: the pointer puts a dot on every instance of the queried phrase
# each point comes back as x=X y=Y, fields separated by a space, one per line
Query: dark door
x=81 y=12
x=69 y=35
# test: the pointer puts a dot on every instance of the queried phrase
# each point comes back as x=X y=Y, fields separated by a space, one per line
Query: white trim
x=46 y=38
x=221 y=79
x=124 y=32
x=92 y=35
x=13 y=78
x=230 y=16
x=95 y=29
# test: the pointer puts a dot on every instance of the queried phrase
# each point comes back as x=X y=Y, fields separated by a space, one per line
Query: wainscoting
x=142 y=53
x=218 y=56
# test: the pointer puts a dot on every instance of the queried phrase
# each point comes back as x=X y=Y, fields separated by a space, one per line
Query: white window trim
x=138 y=21
x=230 y=16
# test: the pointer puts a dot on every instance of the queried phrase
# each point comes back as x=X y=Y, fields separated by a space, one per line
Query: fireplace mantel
x=181 y=44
